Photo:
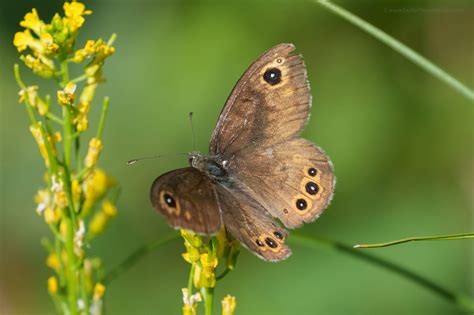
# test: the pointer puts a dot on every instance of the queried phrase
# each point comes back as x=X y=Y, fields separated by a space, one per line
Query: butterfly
x=258 y=169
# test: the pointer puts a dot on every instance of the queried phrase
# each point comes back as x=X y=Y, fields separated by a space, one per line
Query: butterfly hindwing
x=247 y=221
x=187 y=199
x=293 y=180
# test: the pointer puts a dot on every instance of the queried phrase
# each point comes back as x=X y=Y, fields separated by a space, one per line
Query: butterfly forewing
x=269 y=104
x=187 y=199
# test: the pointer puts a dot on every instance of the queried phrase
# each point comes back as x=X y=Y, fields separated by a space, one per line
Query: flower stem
x=402 y=49
x=71 y=279
x=105 y=106
x=418 y=238
x=208 y=294
x=29 y=108
x=190 y=279
x=462 y=301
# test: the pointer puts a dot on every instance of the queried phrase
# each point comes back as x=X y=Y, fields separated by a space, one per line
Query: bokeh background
x=401 y=141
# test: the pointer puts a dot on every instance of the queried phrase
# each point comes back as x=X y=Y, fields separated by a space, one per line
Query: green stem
x=54 y=118
x=105 y=106
x=84 y=296
x=223 y=274
x=58 y=245
x=135 y=257
x=418 y=238
x=208 y=295
x=71 y=279
x=112 y=39
x=404 y=50
x=460 y=300
x=191 y=279
x=67 y=143
x=79 y=78
x=29 y=108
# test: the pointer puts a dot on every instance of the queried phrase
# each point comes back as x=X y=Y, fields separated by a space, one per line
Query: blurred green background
x=401 y=141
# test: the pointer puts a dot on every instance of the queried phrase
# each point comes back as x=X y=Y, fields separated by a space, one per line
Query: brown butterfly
x=258 y=168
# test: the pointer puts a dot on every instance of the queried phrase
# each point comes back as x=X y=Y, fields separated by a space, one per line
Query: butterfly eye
x=272 y=76
x=312 y=188
x=271 y=242
x=312 y=172
x=169 y=200
x=301 y=204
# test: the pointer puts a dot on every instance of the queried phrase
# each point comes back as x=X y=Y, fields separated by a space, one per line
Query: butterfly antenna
x=192 y=130
x=133 y=161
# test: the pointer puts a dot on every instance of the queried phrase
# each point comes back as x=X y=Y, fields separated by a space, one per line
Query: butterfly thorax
x=211 y=166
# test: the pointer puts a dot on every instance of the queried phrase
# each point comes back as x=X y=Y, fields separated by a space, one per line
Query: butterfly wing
x=257 y=137
x=293 y=180
x=268 y=105
x=187 y=199
x=251 y=225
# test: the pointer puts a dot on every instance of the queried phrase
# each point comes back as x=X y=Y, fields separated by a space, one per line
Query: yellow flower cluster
x=205 y=257
x=66 y=96
x=79 y=200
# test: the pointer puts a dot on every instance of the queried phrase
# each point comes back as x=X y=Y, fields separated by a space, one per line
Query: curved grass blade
x=418 y=238
x=462 y=301
x=402 y=49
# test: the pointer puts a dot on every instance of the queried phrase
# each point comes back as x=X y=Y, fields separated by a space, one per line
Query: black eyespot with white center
x=272 y=76
x=312 y=172
x=259 y=242
x=278 y=235
x=301 y=204
x=271 y=242
x=169 y=200
x=312 y=188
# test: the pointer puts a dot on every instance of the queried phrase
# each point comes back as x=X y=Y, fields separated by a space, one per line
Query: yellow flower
x=190 y=302
x=63 y=228
x=83 y=53
x=60 y=199
x=94 y=69
x=43 y=200
x=98 y=223
x=52 y=285
x=49 y=46
x=204 y=276
x=53 y=262
x=52 y=215
x=94 y=187
x=193 y=243
x=109 y=209
x=95 y=146
x=23 y=40
x=33 y=22
x=74 y=12
x=30 y=96
x=41 y=66
x=99 y=290
x=66 y=96
x=36 y=131
x=228 y=305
